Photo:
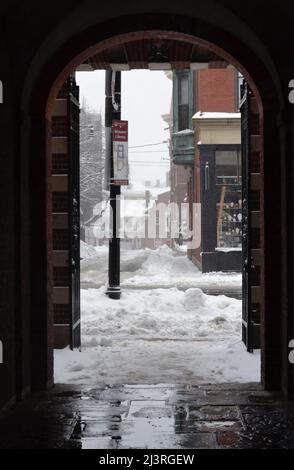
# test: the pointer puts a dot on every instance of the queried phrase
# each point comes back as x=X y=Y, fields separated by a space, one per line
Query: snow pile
x=94 y=269
x=158 y=336
x=165 y=260
x=90 y=252
x=87 y=251
x=147 y=268
x=158 y=314
x=165 y=267
x=175 y=334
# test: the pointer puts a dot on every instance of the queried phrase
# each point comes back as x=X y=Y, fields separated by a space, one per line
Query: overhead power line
x=149 y=145
x=149 y=151
x=149 y=163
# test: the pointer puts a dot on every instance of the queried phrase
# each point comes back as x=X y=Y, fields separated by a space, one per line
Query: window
x=229 y=199
x=184 y=90
x=183 y=102
x=228 y=167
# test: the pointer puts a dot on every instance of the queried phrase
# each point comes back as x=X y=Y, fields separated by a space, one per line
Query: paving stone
x=218 y=426
x=247 y=387
x=261 y=409
x=90 y=444
x=171 y=441
x=214 y=413
x=150 y=417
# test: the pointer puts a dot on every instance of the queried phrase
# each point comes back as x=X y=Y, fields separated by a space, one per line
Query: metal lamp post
x=113 y=112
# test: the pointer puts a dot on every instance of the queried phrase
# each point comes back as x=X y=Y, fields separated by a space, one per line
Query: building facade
x=206 y=140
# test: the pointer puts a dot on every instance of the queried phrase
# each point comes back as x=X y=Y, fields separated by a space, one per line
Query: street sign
x=120 y=153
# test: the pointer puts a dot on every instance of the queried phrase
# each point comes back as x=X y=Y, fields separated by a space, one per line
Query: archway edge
x=46 y=84
x=125 y=38
x=80 y=46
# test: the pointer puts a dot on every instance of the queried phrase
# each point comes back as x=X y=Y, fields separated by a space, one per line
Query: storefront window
x=229 y=199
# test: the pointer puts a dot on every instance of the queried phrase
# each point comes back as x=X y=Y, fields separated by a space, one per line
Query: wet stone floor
x=150 y=417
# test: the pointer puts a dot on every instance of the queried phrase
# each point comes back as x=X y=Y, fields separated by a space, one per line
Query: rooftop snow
x=184 y=132
x=201 y=115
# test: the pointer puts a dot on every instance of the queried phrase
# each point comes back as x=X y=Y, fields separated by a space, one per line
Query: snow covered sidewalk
x=148 y=269
x=158 y=336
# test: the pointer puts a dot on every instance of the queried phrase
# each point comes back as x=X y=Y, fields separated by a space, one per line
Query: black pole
x=113 y=112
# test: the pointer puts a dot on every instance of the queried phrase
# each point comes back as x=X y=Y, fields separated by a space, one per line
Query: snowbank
x=163 y=267
x=159 y=314
x=158 y=363
x=158 y=336
x=87 y=251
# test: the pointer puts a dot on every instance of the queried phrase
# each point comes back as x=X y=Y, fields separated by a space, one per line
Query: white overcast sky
x=146 y=95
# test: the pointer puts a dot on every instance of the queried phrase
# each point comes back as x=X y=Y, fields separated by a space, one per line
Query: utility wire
x=149 y=161
x=149 y=164
x=149 y=151
x=149 y=145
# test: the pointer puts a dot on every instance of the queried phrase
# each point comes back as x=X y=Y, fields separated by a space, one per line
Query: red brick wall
x=216 y=90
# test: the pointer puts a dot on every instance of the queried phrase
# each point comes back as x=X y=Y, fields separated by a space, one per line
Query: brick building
x=177 y=177
x=214 y=90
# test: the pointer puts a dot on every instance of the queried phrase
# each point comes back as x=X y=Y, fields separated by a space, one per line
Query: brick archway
x=146 y=35
x=50 y=80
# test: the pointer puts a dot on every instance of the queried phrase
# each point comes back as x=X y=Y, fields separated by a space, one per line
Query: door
x=74 y=210
x=247 y=321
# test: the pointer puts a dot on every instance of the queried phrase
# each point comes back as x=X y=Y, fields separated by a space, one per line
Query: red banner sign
x=120 y=153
